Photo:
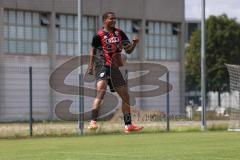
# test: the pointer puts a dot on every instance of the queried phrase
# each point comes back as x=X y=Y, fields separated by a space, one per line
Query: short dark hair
x=105 y=15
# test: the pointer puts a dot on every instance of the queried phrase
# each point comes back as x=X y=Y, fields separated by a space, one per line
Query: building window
x=67 y=34
x=131 y=28
x=25 y=33
x=162 y=41
x=190 y=28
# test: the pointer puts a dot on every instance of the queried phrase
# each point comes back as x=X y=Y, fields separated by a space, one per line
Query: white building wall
x=228 y=100
x=14 y=78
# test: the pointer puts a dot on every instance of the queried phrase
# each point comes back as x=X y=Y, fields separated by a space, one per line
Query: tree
x=222 y=46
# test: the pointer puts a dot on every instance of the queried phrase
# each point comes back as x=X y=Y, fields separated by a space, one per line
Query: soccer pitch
x=162 y=146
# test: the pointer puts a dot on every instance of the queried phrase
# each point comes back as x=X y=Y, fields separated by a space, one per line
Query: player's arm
x=129 y=47
x=96 y=42
x=91 y=61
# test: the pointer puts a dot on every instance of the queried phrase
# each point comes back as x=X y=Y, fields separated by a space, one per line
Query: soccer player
x=105 y=60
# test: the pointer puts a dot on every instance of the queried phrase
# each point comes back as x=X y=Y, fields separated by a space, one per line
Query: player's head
x=109 y=19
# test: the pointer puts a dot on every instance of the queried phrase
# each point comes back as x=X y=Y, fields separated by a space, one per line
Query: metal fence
x=34 y=93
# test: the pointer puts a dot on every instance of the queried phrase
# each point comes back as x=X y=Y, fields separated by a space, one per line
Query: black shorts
x=112 y=75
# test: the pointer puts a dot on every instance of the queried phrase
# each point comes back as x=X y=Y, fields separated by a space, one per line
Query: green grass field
x=144 y=146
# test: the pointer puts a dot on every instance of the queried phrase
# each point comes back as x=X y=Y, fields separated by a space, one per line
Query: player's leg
x=101 y=76
x=129 y=127
x=123 y=93
x=121 y=88
x=101 y=90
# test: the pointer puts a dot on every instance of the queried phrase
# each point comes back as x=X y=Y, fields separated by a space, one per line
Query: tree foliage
x=222 y=46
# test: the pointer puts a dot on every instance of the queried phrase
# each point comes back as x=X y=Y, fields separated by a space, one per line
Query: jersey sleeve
x=125 y=39
x=96 y=41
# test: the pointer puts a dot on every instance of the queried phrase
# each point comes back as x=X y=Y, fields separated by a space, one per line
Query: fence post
x=30 y=102
x=168 y=106
x=81 y=105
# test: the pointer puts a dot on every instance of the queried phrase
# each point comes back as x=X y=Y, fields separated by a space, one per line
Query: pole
x=81 y=106
x=81 y=83
x=203 y=69
x=30 y=101
x=168 y=106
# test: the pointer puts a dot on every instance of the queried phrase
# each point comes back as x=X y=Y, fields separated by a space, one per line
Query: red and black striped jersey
x=109 y=46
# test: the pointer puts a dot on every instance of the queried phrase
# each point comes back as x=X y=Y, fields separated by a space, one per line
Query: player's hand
x=135 y=40
x=90 y=70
